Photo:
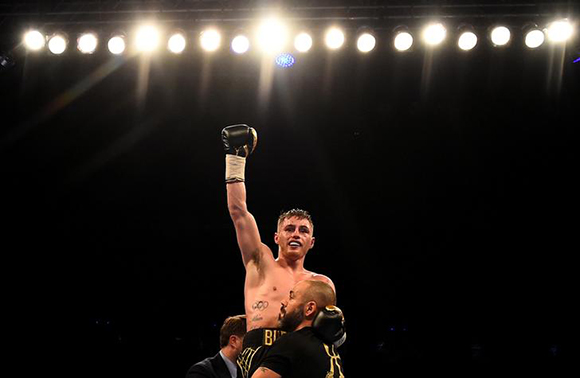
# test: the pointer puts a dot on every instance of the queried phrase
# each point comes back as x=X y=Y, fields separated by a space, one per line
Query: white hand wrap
x=235 y=167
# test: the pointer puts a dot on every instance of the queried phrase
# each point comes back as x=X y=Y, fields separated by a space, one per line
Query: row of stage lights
x=272 y=37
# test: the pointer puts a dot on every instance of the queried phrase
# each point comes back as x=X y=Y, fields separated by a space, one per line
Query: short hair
x=298 y=213
x=233 y=325
x=321 y=293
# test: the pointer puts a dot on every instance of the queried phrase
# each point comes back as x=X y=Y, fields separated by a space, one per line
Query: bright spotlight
x=560 y=31
x=467 y=41
x=210 y=40
x=116 y=44
x=434 y=34
x=500 y=36
x=176 y=43
x=403 y=41
x=303 y=42
x=147 y=39
x=34 y=40
x=366 y=42
x=535 y=38
x=272 y=35
x=240 y=44
x=57 y=44
x=87 y=43
x=334 y=38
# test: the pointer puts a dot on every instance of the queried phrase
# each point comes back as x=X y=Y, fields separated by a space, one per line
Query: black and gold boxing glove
x=329 y=325
x=239 y=142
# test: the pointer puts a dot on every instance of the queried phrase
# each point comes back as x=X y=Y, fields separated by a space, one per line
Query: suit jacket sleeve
x=202 y=369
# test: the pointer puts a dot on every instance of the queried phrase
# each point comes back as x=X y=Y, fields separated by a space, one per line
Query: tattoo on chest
x=260 y=305
x=257 y=318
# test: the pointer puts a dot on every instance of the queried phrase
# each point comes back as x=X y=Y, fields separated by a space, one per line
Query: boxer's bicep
x=247 y=233
x=264 y=372
x=248 y=238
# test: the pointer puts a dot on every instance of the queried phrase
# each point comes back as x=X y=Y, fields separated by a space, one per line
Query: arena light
x=210 y=39
x=434 y=34
x=560 y=31
x=117 y=44
x=57 y=43
x=285 y=60
x=6 y=61
x=533 y=36
x=272 y=35
x=500 y=36
x=87 y=43
x=403 y=40
x=467 y=38
x=334 y=38
x=147 y=38
x=176 y=43
x=303 y=42
x=366 y=42
x=34 y=40
x=240 y=44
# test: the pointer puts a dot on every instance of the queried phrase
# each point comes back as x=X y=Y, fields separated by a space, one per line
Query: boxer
x=269 y=279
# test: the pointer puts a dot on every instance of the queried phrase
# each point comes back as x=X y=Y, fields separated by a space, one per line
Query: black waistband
x=261 y=336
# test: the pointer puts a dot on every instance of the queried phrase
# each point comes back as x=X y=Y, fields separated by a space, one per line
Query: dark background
x=443 y=187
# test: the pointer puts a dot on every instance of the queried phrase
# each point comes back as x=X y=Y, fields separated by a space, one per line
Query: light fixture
x=87 y=43
x=403 y=39
x=560 y=31
x=303 y=42
x=116 y=43
x=240 y=43
x=366 y=40
x=176 y=42
x=272 y=35
x=6 y=61
x=34 y=40
x=500 y=35
x=334 y=38
x=534 y=37
x=147 y=38
x=57 y=43
x=467 y=38
x=210 y=39
x=434 y=34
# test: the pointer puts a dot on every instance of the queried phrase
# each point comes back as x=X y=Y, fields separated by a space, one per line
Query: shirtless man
x=268 y=279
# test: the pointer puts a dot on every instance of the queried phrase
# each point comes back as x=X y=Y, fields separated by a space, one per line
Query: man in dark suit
x=223 y=364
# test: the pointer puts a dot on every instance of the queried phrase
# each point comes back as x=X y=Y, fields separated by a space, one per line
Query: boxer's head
x=305 y=300
x=295 y=234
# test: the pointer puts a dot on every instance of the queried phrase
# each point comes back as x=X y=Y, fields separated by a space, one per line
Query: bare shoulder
x=323 y=278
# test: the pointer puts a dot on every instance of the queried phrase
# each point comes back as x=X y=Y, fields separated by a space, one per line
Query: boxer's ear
x=276 y=237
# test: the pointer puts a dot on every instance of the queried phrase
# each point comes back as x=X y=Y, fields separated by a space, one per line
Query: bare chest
x=263 y=302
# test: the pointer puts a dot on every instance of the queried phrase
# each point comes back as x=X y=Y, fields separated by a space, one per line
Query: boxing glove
x=328 y=324
x=239 y=140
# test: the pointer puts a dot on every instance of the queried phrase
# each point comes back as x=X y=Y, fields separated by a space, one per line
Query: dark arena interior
x=442 y=182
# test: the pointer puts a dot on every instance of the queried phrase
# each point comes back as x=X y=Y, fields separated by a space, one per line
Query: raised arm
x=239 y=142
x=246 y=228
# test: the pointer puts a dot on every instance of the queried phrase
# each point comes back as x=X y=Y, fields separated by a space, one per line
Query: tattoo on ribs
x=260 y=305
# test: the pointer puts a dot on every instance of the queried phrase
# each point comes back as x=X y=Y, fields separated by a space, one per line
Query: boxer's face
x=294 y=237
